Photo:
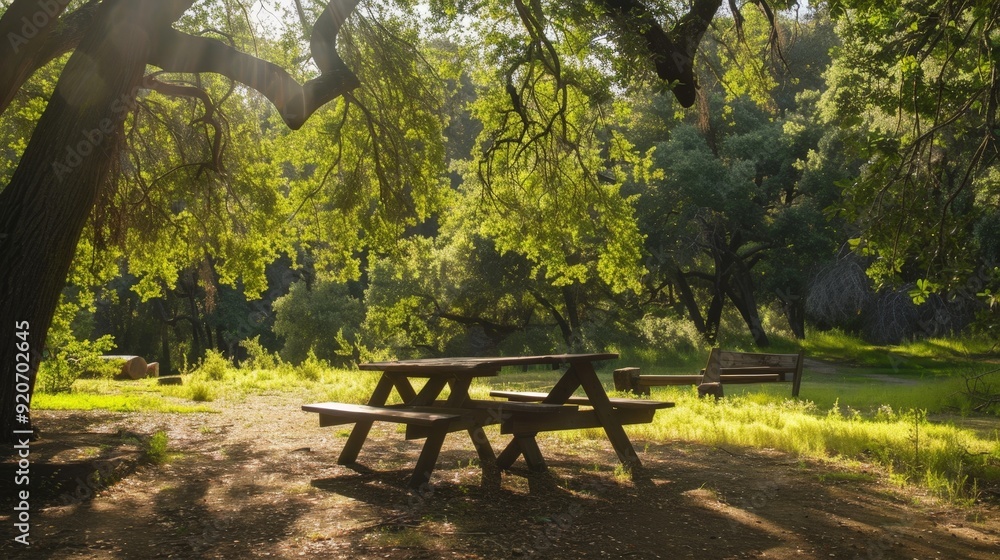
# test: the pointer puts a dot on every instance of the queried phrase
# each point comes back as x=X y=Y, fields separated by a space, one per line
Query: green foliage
x=70 y=358
x=200 y=391
x=675 y=336
x=453 y=294
x=55 y=377
x=214 y=367
x=324 y=318
x=913 y=91
x=312 y=368
x=523 y=188
x=155 y=448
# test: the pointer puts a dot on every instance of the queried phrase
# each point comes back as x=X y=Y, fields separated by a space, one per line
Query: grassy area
x=116 y=403
x=935 y=354
x=945 y=457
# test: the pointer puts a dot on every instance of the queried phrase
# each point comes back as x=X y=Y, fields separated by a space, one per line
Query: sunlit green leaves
x=916 y=82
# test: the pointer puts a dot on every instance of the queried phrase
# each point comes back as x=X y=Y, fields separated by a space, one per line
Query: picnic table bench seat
x=627 y=411
x=335 y=413
x=528 y=396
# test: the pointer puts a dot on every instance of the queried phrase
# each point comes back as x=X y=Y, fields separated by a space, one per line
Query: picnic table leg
x=460 y=394
x=509 y=454
x=435 y=439
x=349 y=455
x=429 y=392
x=428 y=458
x=605 y=414
x=403 y=387
x=522 y=444
x=532 y=454
x=563 y=390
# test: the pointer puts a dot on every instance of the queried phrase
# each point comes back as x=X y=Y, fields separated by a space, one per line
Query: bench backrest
x=722 y=362
x=787 y=362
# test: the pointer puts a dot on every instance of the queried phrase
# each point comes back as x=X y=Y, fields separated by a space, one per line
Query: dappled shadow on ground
x=258 y=480
x=687 y=501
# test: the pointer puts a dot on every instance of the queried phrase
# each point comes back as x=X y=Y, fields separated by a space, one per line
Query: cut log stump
x=133 y=368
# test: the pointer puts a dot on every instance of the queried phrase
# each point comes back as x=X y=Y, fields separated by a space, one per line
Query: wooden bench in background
x=723 y=368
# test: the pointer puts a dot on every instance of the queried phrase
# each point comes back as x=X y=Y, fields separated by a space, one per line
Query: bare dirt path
x=259 y=479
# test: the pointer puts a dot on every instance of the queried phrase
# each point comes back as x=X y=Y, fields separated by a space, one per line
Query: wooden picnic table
x=523 y=415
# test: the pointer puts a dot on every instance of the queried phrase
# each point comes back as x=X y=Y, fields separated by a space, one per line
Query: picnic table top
x=478 y=365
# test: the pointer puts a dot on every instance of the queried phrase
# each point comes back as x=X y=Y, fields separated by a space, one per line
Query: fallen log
x=134 y=367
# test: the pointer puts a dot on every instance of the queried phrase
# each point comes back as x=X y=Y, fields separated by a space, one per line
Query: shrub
x=156 y=448
x=678 y=336
x=200 y=392
x=257 y=356
x=71 y=360
x=55 y=376
x=312 y=368
x=213 y=366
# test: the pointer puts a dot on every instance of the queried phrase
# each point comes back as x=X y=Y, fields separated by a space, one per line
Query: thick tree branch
x=32 y=46
x=673 y=52
x=180 y=52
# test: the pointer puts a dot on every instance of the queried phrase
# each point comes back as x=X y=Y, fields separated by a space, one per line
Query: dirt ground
x=260 y=479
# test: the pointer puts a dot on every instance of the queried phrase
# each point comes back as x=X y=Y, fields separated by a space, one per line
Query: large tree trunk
x=741 y=291
x=795 y=312
x=690 y=303
x=570 y=298
x=45 y=206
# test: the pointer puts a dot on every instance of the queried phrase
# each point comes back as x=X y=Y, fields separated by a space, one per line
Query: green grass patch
x=155 y=449
x=948 y=459
x=846 y=476
x=113 y=403
x=929 y=354
x=855 y=390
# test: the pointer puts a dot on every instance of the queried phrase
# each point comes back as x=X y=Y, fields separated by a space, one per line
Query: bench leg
x=428 y=458
x=349 y=455
x=714 y=389
x=485 y=451
x=509 y=455
x=532 y=454
x=522 y=444
x=605 y=414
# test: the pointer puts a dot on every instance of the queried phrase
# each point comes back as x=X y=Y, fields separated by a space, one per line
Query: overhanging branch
x=27 y=54
x=180 y=52
x=209 y=118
